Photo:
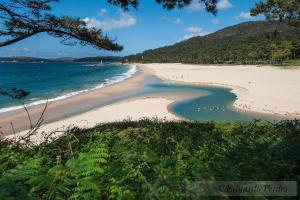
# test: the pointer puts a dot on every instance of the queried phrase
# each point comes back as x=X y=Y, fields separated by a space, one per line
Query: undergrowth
x=150 y=159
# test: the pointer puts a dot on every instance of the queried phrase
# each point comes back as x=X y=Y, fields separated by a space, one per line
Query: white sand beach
x=269 y=90
x=263 y=89
x=133 y=109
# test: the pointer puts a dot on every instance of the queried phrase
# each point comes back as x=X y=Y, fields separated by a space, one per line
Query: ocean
x=55 y=81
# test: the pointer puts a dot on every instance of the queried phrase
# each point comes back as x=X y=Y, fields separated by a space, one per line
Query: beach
x=263 y=89
x=134 y=109
x=65 y=108
x=268 y=90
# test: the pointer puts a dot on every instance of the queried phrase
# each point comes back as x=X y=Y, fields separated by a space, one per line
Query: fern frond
x=25 y=171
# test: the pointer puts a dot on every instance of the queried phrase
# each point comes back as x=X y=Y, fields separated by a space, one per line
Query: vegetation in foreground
x=295 y=62
x=150 y=160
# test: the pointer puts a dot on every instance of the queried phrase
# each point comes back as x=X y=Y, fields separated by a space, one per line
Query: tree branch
x=17 y=39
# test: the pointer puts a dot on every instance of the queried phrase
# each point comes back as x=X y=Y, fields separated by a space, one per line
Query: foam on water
x=116 y=79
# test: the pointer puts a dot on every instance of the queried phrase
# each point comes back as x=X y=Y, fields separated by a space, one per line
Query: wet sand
x=62 y=109
x=133 y=109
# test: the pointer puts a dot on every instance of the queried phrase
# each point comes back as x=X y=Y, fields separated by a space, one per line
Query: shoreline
x=235 y=90
x=75 y=105
x=250 y=98
x=130 y=73
x=143 y=107
x=133 y=109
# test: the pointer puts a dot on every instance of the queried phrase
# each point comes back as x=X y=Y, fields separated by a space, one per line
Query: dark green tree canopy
x=281 y=10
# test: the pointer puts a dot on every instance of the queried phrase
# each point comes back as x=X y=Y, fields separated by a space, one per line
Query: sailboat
x=98 y=64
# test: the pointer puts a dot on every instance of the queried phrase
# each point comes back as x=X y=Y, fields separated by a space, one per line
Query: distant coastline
x=61 y=59
x=132 y=70
x=63 y=108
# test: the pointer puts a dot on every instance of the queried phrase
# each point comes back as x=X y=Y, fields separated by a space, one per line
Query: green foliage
x=278 y=10
x=295 y=62
x=246 y=43
x=150 y=160
x=281 y=51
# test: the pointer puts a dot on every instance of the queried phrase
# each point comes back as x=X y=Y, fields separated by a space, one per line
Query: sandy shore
x=62 y=109
x=134 y=109
x=267 y=89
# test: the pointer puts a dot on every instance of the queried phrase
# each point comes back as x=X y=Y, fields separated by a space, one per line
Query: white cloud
x=196 y=6
x=215 y=21
x=61 y=54
x=244 y=15
x=224 y=4
x=102 y=12
x=193 y=31
x=172 y=20
x=124 y=20
x=17 y=49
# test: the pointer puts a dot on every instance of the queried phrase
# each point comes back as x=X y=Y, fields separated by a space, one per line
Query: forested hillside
x=246 y=43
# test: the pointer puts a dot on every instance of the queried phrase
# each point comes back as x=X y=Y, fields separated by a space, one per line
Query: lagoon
x=190 y=102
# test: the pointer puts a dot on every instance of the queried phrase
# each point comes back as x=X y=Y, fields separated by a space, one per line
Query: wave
x=109 y=81
x=96 y=65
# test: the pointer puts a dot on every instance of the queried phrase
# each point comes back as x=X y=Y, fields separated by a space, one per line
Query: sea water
x=55 y=81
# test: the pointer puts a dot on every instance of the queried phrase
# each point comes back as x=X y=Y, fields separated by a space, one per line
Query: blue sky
x=137 y=30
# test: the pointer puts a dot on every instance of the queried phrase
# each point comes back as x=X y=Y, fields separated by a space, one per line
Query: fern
x=14 y=180
x=23 y=172
x=80 y=177
x=150 y=160
x=89 y=163
x=10 y=190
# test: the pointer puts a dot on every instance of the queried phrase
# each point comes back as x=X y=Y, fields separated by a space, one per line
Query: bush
x=150 y=160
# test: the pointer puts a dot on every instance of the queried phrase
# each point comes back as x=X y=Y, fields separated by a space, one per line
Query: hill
x=62 y=59
x=99 y=59
x=246 y=43
x=23 y=59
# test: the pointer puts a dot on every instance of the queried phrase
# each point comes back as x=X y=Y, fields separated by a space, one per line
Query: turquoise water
x=200 y=102
x=195 y=102
x=54 y=81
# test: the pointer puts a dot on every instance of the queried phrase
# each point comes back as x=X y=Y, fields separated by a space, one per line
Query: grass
x=295 y=62
x=150 y=159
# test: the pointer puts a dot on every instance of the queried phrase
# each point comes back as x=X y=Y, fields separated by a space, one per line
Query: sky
x=148 y=27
